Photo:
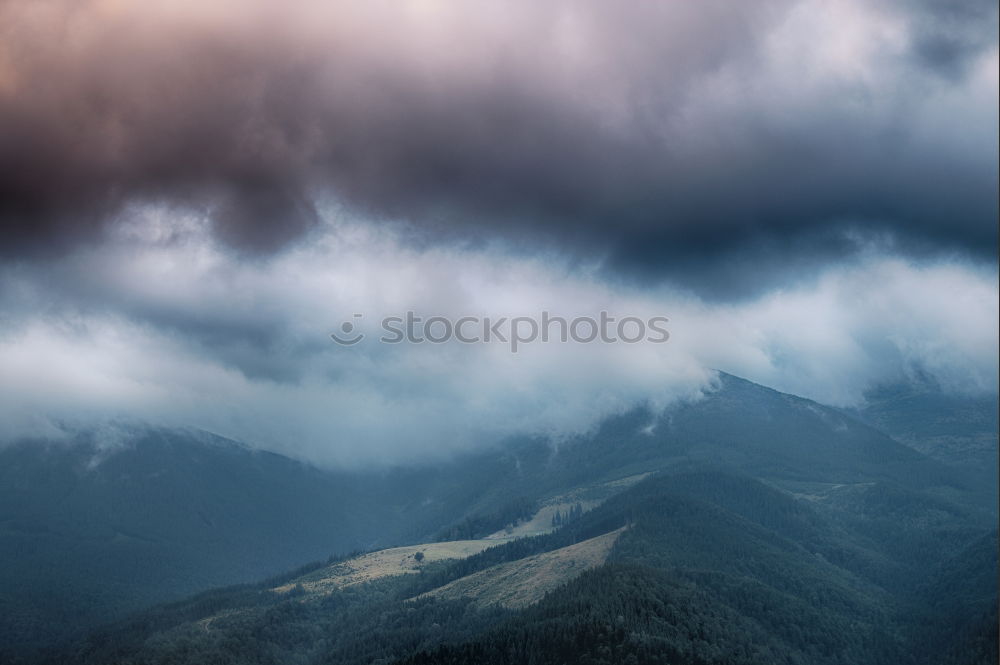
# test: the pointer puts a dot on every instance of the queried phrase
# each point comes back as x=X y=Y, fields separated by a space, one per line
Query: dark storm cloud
x=669 y=136
x=949 y=32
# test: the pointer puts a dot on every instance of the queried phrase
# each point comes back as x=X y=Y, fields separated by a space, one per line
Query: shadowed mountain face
x=91 y=531
x=773 y=434
x=88 y=531
x=740 y=425
x=959 y=430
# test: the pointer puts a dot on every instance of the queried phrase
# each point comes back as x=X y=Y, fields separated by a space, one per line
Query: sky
x=195 y=196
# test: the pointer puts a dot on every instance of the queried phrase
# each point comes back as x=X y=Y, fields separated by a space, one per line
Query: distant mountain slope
x=91 y=531
x=713 y=568
x=739 y=425
x=953 y=428
x=957 y=430
x=764 y=432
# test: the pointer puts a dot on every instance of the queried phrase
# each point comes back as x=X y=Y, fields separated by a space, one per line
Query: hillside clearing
x=520 y=583
x=586 y=498
x=384 y=563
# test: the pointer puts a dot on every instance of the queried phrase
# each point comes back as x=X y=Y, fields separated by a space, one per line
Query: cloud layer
x=169 y=327
x=692 y=141
x=194 y=195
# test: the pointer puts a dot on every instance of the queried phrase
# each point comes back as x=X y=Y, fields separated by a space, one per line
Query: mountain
x=739 y=424
x=90 y=530
x=93 y=530
x=956 y=429
x=688 y=567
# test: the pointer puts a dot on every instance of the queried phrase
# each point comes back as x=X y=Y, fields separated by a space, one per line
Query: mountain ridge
x=189 y=516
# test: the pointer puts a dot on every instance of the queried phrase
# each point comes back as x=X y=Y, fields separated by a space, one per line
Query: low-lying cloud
x=162 y=324
x=194 y=196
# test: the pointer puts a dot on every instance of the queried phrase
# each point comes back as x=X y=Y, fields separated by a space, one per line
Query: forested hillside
x=711 y=567
x=163 y=514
